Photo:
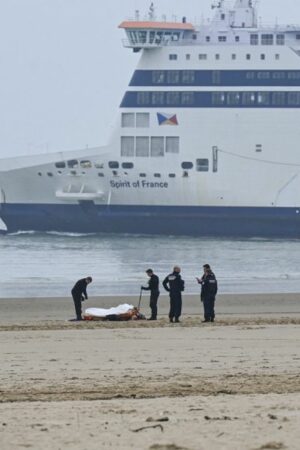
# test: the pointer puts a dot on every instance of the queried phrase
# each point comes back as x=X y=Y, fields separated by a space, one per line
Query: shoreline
x=16 y=310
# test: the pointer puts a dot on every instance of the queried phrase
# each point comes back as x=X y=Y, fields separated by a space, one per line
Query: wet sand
x=234 y=384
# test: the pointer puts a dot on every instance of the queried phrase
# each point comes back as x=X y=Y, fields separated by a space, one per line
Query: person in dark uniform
x=153 y=287
x=209 y=289
x=79 y=294
x=174 y=285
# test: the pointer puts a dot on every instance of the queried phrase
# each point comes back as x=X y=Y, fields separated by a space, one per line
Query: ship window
x=194 y=37
x=218 y=98
x=280 y=39
x=222 y=38
x=263 y=98
x=142 y=120
x=127 y=120
x=233 y=56
x=215 y=159
x=188 y=76
x=86 y=164
x=172 y=57
x=294 y=98
x=248 y=98
x=207 y=38
x=298 y=37
x=39 y=174
x=216 y=77
x=73 y=163
x=157 y=175
x=172 y=175
x=187 y=165
x=294 y=75
x=143 y=98
x=223 y=16
x=173 y=98
x=173 y=76
x=202 y=56
x=233 y=98
x=158 y=98
x=248 y=56
x=100 y=174
x=263 y=75
x=263 y=56
x=277 y=56
x=187 y=56
x=217 y=56
x=73 y=172
x=99 y=165
x=187 y=98
x=250 y=75
x=237 y=39
x=157 y=146
x=254 y=39
x=172 y=144
x=127 y=165
x=158 y=77
x=267 y=39
x=127 y=146
x=113 y=164
x=202 y=165
x=142 y=146
x=142 y=175
x=60 y=165
x=278 y=98
x=278 y=75
x=258 y=148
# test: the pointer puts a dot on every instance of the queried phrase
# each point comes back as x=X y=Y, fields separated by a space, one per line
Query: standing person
x=174 y=285
x=209 y=288
x=79 y=294
x=153 y=287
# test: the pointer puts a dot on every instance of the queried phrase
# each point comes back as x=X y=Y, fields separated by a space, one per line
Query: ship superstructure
x=206 y=140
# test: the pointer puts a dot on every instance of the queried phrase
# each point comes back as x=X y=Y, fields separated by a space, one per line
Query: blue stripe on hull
x=175 y=220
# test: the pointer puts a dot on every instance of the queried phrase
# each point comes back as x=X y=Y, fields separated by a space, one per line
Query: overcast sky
x=63 y=70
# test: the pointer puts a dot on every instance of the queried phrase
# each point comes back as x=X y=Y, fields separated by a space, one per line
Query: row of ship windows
x=219 y=98
x=264 y=39
x=217 y=56
x=201 y=165
x=189 y=76
x=145 y=146
x=135 y=120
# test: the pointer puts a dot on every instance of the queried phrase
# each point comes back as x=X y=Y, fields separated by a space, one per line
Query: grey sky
x=63 y=69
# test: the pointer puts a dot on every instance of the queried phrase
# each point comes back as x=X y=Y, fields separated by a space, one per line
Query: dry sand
x=234 y=384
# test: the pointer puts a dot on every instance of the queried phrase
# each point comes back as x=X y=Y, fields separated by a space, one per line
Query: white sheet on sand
x=101 y=312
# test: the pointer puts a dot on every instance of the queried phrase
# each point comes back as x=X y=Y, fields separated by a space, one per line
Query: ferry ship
x=206 y=139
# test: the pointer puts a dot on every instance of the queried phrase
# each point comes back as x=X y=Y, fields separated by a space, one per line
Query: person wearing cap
x=153 y=287
x=174 y=284
x=79 y=294
x=209 y=289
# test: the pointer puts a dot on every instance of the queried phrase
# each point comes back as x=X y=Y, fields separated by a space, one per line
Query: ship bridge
x=151 y=34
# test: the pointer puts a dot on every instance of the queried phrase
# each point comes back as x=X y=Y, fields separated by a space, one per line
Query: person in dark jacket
x=209 y=289
x=153 y=287
x=79 y=294
x=174 y=285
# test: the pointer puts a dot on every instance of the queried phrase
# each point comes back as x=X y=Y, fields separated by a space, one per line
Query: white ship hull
x=202 y=146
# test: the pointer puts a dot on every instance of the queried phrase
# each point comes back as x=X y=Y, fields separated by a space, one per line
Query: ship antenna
x=151 y=12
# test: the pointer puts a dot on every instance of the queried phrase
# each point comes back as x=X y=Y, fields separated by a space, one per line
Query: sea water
x=48 y=264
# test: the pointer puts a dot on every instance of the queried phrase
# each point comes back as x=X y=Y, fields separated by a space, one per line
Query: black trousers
x=209 y=307
x=153 y=304
x=175 y=305
x=77 y=304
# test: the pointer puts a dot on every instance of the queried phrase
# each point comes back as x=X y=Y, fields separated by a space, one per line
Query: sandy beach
x=233 y=384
